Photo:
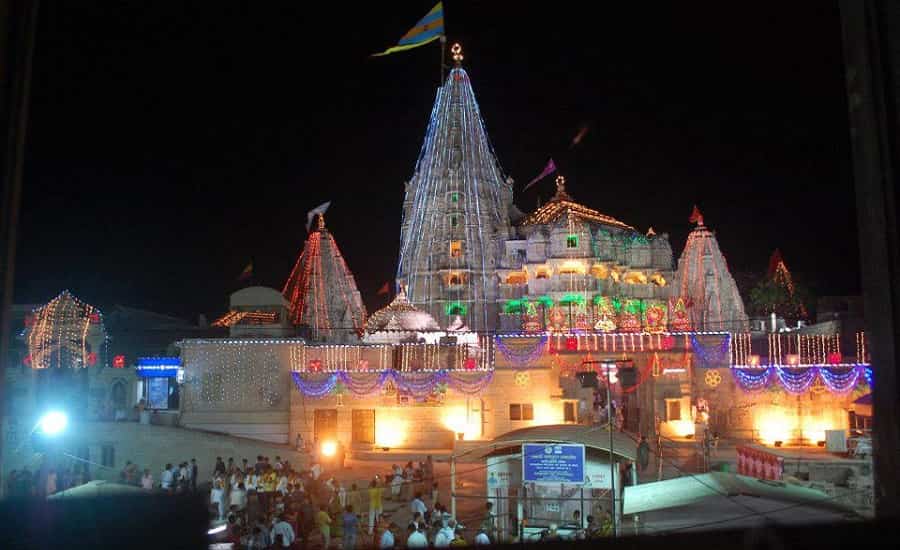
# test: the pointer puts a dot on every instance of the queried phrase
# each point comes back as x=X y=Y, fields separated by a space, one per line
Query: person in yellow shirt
x=323 y=522
x=375 y=508
x=268 y=482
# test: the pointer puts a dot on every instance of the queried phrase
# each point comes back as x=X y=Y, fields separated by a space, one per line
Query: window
x=454 y=220
x=673 y=409
x=521 y=411
x=572 y=241
x=454 y=197
x=542 y=273
x=569 y=411
x=455 y=249
x=454 y=279
x=108 y=456
x=516 y=278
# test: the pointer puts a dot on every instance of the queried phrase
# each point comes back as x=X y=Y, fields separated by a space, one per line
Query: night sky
x=171 y=142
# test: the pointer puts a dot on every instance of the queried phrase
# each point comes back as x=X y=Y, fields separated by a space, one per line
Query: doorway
x=363 y=426
x=325 y=424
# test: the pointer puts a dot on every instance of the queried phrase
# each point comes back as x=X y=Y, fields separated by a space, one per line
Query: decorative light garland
x=418 y=384
x=518 y=357
x=59 y=334
x=712 y=356
x=838 y=379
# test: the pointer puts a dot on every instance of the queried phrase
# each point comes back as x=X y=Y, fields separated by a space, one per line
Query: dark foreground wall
x=105 y=522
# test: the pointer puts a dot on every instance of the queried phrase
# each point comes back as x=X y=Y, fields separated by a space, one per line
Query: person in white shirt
x=284 y=529
x=417 y=539
x=282 y=485
x=316 y=470
x=217 y=498
x=166 y=479
x=387 y=538
x=238 y=497
x=396 y=485
x=147 y=480
x=481 y=539
x=417 y=505
x=445 y=535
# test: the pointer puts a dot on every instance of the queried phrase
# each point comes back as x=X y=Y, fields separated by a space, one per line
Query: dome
x=397 y=317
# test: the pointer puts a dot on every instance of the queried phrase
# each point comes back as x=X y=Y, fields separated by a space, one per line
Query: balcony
x=513 y=291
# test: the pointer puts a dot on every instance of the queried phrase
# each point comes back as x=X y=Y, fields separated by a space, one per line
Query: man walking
x=193 y=474
x=643 y=453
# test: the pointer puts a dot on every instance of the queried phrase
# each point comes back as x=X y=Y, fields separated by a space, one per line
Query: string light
x=321 y=289
x=456 y=162
x=720 y=307
x=65 y=333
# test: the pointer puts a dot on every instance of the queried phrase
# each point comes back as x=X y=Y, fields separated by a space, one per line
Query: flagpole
x=443 y=57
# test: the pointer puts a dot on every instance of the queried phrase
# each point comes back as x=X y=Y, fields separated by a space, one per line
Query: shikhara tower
x=455 y=213
x=704 y=279
x=324 y=301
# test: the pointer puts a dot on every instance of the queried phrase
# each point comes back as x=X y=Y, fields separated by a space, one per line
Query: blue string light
x=519 y=358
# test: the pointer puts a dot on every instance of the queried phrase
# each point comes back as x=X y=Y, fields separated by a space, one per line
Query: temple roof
x=562 y=204
x=400 y=315
x=321 y=290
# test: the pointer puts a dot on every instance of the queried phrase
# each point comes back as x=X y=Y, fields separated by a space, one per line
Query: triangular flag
x=385 y=289
x=549 y=169
x=696 y=216
x=246 y=273
x=428 y=29
x=319 y=210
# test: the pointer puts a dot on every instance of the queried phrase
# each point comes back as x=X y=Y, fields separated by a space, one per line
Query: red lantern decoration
x=571 y=343
x=118 y=362
x=835 y=358
x=27 y=361
x=315 y=365
x=668 y=342
x=94 y=318
x=470 y=363
x=92 y=358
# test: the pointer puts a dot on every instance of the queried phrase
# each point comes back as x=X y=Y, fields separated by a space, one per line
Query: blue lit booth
x=158 y=382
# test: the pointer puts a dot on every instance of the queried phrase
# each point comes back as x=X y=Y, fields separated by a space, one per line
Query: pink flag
x=549 y=169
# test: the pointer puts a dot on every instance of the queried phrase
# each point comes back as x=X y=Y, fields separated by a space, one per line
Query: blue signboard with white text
x=553 y=463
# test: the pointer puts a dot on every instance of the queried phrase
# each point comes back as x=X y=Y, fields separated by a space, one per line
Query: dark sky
x=173 y=141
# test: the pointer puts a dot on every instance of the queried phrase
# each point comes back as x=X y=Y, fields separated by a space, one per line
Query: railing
x=796 y=350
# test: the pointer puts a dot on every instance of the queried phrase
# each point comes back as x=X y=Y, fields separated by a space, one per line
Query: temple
x=324 y=301
x=704 y=280
x=455 y=213
x=572 y=268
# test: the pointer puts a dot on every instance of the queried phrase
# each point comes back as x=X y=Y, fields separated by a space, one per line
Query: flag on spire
x=428 y=29
x=549 y=169
x=310 y=216
x=696 y=216
x=385 y=289
x=246 y=273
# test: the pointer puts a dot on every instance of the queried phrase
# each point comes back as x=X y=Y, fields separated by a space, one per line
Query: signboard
x=158 y=393
x=553 y=463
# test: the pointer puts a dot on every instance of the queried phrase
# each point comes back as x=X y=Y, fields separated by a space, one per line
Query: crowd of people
x=44 y=481
x=271 y=504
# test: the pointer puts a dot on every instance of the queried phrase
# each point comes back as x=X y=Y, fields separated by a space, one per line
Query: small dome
x=400 y=315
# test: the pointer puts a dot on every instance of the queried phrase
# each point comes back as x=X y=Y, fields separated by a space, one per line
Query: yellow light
x=572 y=266
x=792 y=359
x=681 y=428
x=455 y=419
x=615 y=275
x=547 y=413
x=658 y=279
x=390 y=431
x=635 y=278
x=774 y=425
x=753 y=360
x=329 y=448
x=600 y=271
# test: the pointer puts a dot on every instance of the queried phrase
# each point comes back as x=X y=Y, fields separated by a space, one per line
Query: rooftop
x=563 y=205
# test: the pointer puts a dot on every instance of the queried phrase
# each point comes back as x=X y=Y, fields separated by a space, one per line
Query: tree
x=777 y=293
